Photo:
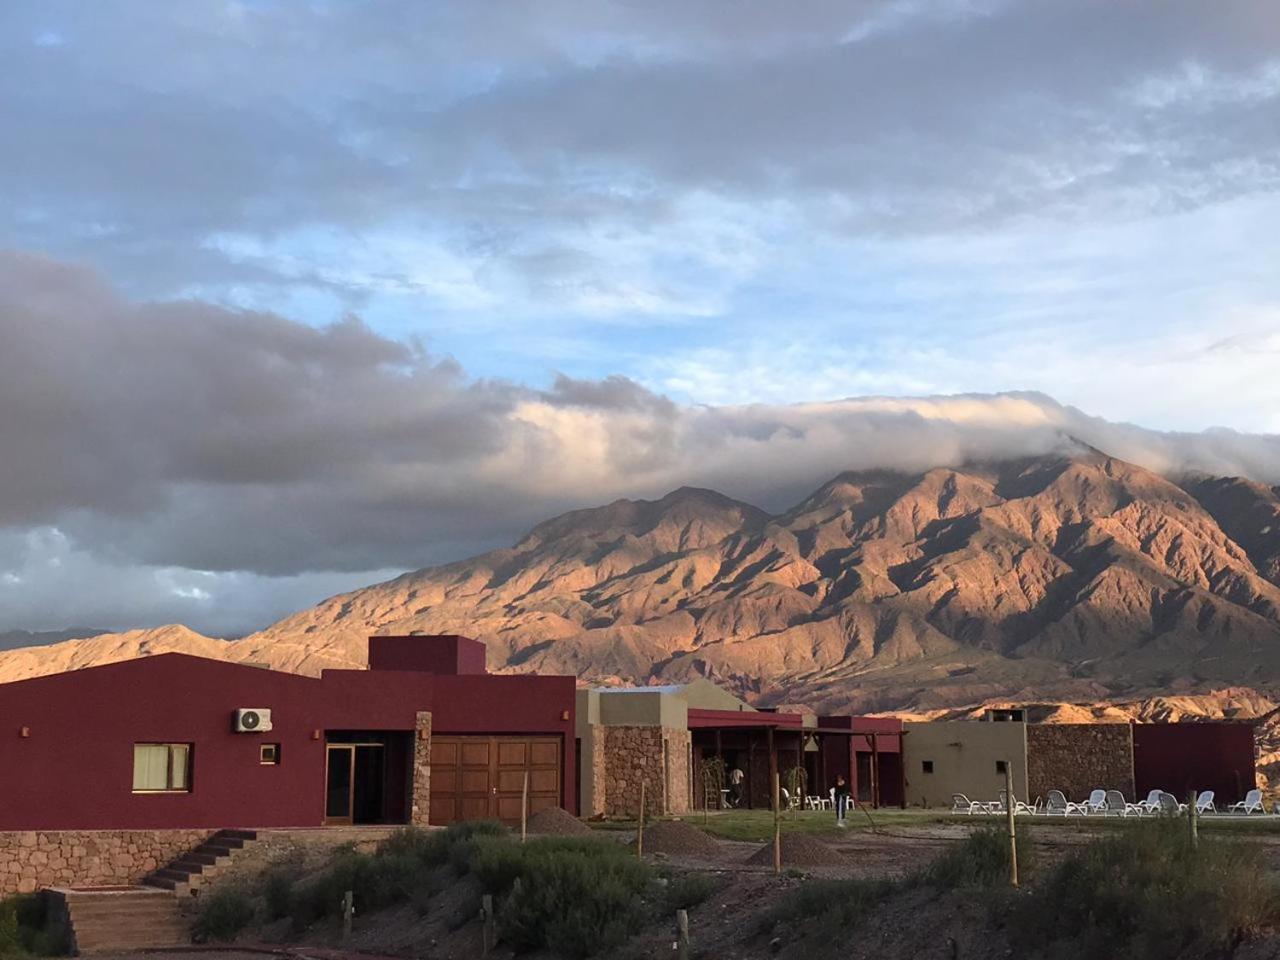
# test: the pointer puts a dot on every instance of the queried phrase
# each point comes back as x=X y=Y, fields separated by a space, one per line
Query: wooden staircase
x=124 y=918
x=194 y=867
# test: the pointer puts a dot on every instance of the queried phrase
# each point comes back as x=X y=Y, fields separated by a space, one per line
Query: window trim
x=190 y=749
x=275 y=754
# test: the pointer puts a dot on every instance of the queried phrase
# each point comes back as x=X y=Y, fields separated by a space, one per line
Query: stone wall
x=33 y=859
x=679 y=771
x=656 y=756
x=599 y=779
x=420 y=802
x=1079 y=757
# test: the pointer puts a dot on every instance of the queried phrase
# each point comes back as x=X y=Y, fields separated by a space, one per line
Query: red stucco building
x=423 y=735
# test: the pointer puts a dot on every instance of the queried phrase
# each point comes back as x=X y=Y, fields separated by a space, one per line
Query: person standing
x=842 y=796
x=736 y=776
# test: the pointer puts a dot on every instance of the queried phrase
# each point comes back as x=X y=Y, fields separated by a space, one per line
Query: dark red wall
x=75 y=770
x=442 y=655
x=1179 y=757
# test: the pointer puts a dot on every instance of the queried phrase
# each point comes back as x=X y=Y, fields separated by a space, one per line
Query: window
x=161 y=767
x=1000 y=765
x=927 y=765
x=269 y=754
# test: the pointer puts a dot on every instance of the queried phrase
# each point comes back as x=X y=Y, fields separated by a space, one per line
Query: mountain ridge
x=1072 y=577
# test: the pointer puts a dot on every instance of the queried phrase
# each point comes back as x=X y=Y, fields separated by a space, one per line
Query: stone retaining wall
x=1079 y=757
x=33 y=859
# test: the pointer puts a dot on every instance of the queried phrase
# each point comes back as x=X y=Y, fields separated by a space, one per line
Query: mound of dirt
x=675 y=838
x=555 y=822
x=800 y=850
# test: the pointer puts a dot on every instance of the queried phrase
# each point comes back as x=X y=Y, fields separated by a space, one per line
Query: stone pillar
x=420 y=805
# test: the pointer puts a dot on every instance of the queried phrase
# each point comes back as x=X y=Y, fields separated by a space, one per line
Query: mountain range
x=1075 y=578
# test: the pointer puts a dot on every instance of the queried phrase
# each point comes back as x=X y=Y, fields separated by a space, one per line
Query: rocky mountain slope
x=1078 y=579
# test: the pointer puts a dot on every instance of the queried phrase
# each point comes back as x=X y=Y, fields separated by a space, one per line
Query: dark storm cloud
x=184 y=435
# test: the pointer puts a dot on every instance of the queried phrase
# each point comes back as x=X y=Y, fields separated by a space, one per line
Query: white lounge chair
x=1169 y=805
x=1252 y=803
x=1204 y=804
x=962 y=804
x=1057 y=805
x=813 y=803
x=1097 y=802
x=1152 y=803
x=1117 y=806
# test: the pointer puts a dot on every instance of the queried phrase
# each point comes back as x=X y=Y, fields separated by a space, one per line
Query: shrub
x=980 y=860
x=833 y=903
x=1145 y=893
x=277 y=894
x=224 y=912
x=689 y=890
x=575 y=896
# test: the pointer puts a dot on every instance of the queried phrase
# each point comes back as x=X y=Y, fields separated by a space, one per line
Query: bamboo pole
x=1013 y=834
x=1192 y=816
x=640 y=825
x=777 y=827
x=524 y=808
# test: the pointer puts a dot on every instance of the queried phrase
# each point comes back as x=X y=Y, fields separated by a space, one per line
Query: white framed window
x=161 y=768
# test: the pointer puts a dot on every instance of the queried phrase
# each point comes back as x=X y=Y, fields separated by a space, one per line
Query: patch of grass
x=1144 y=893
x=573 y=895
x=688 y=890
x=980 y=860
x=833 y=904
x=224 y=913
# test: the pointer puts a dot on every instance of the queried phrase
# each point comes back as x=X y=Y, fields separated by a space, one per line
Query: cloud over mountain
x=187 y=435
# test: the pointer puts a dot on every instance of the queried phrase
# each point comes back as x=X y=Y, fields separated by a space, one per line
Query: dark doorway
x=863 y=778
x=366 y=778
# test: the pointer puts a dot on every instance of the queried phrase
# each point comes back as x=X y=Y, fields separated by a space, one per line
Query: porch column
x=420 y=801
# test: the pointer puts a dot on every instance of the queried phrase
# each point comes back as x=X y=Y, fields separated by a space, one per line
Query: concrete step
x=122 y=920
x=238 y=834
x=201 y=856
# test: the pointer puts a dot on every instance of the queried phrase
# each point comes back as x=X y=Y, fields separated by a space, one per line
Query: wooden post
x=640 y=825
x=524 y=808
x=1191 y=820
x=773 y=764
x=1013 y=835
x=777 y=826
x=682 y=935
x=487 y=938
x=875 y=772
x=348 y=910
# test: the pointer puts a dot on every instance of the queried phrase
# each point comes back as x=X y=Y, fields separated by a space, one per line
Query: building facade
x=424 y=735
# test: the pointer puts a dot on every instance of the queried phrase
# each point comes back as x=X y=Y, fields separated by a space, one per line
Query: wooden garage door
x=481 y=778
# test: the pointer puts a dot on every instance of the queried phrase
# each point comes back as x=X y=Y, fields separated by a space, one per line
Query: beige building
x=963 y=756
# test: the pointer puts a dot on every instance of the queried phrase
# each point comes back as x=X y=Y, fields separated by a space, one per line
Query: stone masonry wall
x=1079 y=757
x=679 y=772
x=33 y=859
x=420 y=802
x=599 y=777
x=655 y=755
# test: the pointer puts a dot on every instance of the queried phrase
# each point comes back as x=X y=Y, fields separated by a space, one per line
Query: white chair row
x=1106 y=803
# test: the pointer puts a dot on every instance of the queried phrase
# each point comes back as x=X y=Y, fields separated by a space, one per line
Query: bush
x=277 y=894
x=1145 y=893
x=224 y=912
x=27 y=928
x=575 y=896
x=832 y=903
x=980 y=860
x=403 y=869
x=689 y=890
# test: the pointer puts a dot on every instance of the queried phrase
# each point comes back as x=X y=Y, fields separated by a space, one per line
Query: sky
x=296 y=296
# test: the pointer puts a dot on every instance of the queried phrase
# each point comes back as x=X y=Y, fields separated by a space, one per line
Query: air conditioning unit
x=252 y=720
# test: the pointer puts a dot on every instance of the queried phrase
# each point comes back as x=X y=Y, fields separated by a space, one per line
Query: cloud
x=182 y=435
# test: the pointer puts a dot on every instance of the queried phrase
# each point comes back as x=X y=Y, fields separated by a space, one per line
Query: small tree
x=713 y=779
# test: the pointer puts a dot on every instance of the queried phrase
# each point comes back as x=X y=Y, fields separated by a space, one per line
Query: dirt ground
x=915 y=924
